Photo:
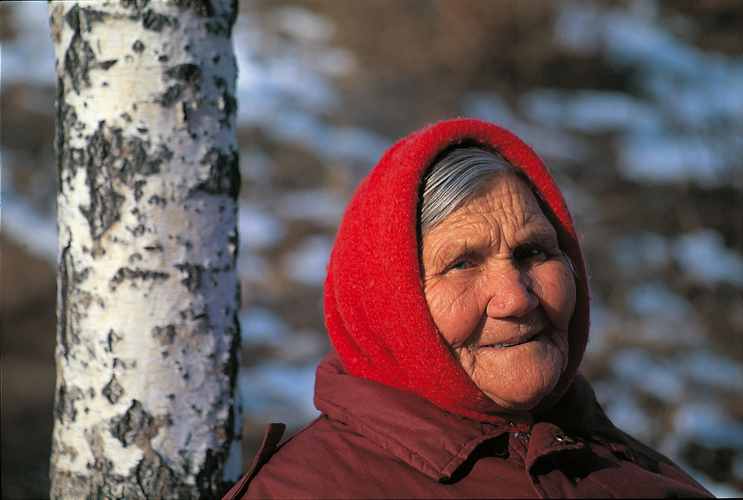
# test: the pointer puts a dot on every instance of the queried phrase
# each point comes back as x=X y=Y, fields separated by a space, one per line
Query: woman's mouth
x=512 y=344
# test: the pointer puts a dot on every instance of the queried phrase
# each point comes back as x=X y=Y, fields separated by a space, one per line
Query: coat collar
x=413 y=429
x=437 y=442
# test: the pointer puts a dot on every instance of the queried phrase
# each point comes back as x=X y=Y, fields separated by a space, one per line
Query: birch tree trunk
x=148 y=337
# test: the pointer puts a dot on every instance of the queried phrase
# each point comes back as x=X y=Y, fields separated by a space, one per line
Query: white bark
x=148 y=337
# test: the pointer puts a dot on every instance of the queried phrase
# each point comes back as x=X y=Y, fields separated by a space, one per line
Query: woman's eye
x=525 y=253
x=465 y=261
x=462 y=264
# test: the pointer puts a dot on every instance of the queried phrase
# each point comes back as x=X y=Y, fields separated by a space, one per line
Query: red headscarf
x=375 y=309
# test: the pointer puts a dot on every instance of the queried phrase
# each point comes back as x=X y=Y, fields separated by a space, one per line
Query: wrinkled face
x=501 y=293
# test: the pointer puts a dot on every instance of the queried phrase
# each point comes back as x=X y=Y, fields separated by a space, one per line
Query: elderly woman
x=456 y=300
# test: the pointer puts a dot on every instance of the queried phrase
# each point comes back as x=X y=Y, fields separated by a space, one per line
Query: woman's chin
x=517 y=403
x=522 y=384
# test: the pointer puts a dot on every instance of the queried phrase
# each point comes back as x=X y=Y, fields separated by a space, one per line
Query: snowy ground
x=666 y=365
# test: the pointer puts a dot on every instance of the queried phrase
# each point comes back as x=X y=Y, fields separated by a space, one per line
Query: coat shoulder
x=327 y=460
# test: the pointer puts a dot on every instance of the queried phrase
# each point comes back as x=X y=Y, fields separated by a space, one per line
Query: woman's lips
x=512 y=344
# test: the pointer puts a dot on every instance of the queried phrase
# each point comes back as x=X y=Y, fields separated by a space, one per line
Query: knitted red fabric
x=375 y=309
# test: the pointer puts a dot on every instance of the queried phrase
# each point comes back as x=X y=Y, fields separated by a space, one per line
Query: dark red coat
x=374 y=441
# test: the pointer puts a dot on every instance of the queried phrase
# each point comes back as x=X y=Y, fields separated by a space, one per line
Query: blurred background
x=636 y=106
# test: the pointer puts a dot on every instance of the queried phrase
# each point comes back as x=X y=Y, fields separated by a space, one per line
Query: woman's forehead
x=505 y=208
x=506 y=196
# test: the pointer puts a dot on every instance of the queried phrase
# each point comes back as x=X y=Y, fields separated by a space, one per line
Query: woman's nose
x=510 y=295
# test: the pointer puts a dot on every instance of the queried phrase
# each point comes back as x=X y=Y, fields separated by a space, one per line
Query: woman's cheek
x=453 y=310
x=555 y=287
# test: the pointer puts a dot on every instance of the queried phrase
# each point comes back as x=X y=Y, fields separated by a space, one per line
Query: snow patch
x=589 y=111
x=32 y=43
x=322 y=206
x=703 y=256
x=709 y=424
x=643 y=255
x=276 y=392
x=648 y=375
x=260 y=325
x=308 y=263
x=30 y=228
x=258 y=228
x=654 y=299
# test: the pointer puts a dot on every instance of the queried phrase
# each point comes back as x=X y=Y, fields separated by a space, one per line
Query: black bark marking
x=78 y=59
x=64 y=407
x=157 y=200
x=188 y=76
x=170 y=96
x=60 y=402
x=186 y=110
x=136 y=426
x=232 y=366
x=73 y=18
x=92 y=16
x=112 y=341
x=137 y=5
x=66 y=267
x=194 y=275
x=79 y=277
x=224 y=174
x=105 y=202
x=66 y=306
x=138 y=185
x=109 y=157
x=105 y=65
x=230 y=108
x=138 y=47
x=156 y=22
x=113 y=390
x=152 y=165
x=104 y=482
x=202 y=8
x=128 y=157
x=157 y=480
x=207 y=480
x=218 y=27
x=62 y=114
x=187 y=73
x=127 y=273
x=164 y=334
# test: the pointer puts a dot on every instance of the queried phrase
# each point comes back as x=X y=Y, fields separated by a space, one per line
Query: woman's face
x=501 y=293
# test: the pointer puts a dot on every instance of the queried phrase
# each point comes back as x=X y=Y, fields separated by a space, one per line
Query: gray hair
x=455 y=177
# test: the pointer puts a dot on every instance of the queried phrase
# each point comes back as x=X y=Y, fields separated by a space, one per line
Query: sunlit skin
x=501 y=293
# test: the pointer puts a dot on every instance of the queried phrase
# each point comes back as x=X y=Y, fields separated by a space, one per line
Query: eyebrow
x=542 y=236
